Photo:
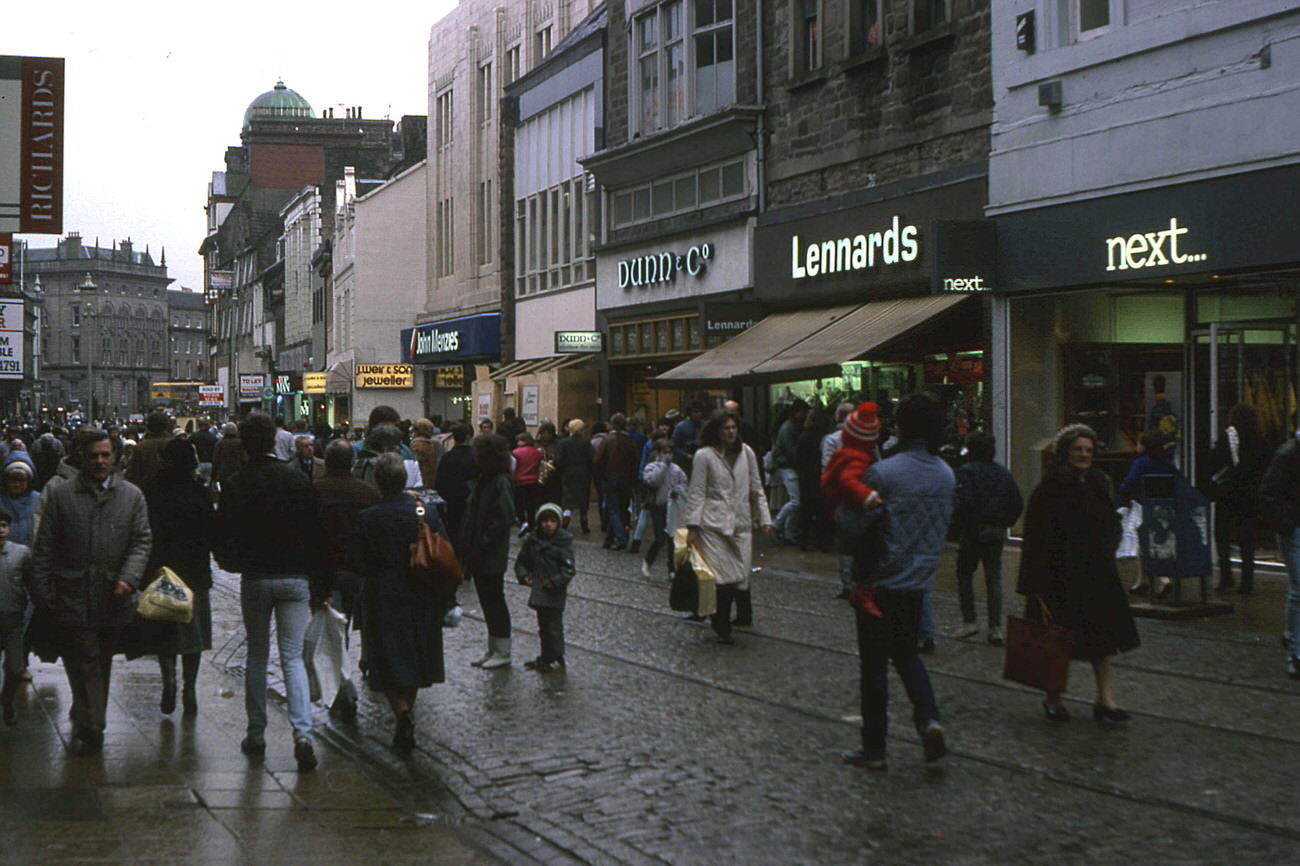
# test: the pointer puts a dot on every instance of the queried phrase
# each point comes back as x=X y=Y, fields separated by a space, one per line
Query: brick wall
x=911 y=108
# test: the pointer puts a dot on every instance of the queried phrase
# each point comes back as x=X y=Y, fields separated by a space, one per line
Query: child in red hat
x=842 y=482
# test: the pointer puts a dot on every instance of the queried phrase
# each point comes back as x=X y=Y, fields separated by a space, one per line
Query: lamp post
x=88 y=286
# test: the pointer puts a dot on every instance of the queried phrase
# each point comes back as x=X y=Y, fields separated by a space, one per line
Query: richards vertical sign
x=31 y=144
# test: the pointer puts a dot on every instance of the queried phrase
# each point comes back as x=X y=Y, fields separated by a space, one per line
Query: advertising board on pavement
x=212 y=395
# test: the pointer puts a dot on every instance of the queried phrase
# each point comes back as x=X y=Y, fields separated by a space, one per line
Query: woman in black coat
x=181 y=519
x=403 y=634
x=484 y=545
x=1238 y=462
x=1068 y=561
x=575 y=462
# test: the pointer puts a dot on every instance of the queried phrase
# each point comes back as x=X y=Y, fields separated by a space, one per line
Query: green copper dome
x=281 y=103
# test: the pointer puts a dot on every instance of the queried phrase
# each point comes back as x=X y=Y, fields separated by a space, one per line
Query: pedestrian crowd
x=329 y=519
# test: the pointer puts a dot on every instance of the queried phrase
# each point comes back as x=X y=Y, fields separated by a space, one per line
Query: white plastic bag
x=1130 y=520
x=325 y=654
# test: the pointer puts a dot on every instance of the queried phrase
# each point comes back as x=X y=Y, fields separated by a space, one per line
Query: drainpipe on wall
x=761 y=147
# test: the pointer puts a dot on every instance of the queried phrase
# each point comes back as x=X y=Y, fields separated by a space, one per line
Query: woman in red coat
x=526 y=480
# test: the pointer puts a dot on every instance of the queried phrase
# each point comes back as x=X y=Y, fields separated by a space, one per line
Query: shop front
x=1157 y=310
x=872 y=300
x=557 y=346
x=451 y=359
x=652 y=299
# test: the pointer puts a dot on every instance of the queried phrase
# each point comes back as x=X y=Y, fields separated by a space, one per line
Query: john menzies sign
x=31 y=144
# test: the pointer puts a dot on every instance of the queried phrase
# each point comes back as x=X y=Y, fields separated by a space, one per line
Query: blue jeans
x=1290 y=548
x=892 y=637
x=787 y=519
x=286 y=596
x=927 y=617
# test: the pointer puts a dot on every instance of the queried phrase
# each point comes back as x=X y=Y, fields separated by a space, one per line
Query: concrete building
x=379 y=279
x=1142 y=179
x=188 y=334
x=104 y=327
x=474 y=51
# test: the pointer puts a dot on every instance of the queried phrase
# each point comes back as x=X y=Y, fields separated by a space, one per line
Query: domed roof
x=280 y=103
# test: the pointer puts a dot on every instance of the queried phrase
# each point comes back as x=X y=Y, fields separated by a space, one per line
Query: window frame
x=945 y=5
x=554 y=228
x=1076 y=21
x=485 y=93
x=855 y=37
x=445 y=118
x=512 y=69
x=672 y=181
x=676 y=96
x=808 y=50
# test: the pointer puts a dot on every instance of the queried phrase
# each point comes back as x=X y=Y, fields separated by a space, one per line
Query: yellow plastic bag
x=707 y=604
x=167 y=599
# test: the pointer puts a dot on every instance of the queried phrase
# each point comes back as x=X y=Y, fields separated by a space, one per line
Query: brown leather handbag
x=1038 y=653
x=433 y=565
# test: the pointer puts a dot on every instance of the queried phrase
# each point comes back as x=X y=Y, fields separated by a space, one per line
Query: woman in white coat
x=724 y=506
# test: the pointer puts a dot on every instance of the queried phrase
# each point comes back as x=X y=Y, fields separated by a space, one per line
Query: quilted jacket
x=917 y=488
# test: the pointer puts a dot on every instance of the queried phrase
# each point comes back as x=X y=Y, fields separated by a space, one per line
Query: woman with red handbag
x=403 y=634
x=1068 y=563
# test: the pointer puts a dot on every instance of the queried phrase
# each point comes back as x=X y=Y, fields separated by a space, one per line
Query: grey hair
x=390 y=474
x=1065 y=438
x=843 y=411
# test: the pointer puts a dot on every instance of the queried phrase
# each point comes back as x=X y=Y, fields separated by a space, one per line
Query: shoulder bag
x=433 y=563
x=1038 y=653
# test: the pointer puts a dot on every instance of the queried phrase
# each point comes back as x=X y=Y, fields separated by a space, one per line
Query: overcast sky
x=156 y=91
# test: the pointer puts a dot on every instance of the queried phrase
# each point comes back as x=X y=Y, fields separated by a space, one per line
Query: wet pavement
x=177 y=790
x=661 y=746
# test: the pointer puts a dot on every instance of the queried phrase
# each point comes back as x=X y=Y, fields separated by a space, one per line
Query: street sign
x=11 y=339
x=31 y=144
x=268 y=393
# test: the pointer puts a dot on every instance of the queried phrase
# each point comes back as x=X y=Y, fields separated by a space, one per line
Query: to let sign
x=31 y=144
x=6 y=258
x=385 y=376
x=11 y=339
x=250 y=386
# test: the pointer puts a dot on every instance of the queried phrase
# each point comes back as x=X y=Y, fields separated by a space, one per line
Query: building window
x=484 y=222
x=553 y=231
x=106 y=350
x=674 y=335
x=486 y=96
x=542 y=43
x=139 y=353
x=443 y=118
x=928 y=14
x=123 y=352
x=512 y=70
x=680 y=194
x=446 y=237
x=673 y=83
x=76 y=350
x=1092 y=15
x=808 y=48
x=76 y=315
x=864 y=25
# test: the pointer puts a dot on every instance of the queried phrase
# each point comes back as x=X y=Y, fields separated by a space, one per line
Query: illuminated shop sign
x=663 y=267
x=1148 y=249
x=858 y=252
x=453 y=339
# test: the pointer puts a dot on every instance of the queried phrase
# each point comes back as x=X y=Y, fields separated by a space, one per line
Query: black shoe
x=1166 y=590
x=550 y=667
x=403 y=738
x=634 y=547
x=344 y=709
x=695 y=618
x=926 y=647
x=859 y=758
x=932 y=740
x=89 y=742
x=304 y=755
x=1056 y=712
x=532 y=664
x=1224 y=586
x=1109 y=715
x=254 y=747
x=189 y=701
x=742 y=623
x=168 y=702
x=726 y=639
x=842 y=595
x=608 y=543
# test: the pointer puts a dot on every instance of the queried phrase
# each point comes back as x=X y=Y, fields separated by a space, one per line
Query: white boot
x=499 y=657
x=487 y=654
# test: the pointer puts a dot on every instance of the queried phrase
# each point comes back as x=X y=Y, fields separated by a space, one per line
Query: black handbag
x=684 y=593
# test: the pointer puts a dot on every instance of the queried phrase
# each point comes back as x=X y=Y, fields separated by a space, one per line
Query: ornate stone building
x=106 y=310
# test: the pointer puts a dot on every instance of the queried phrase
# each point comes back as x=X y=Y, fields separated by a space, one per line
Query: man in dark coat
x=89 y=560
x=988 y=503
x=616 y=462
x=511 y=425
x=270 y=531
x=456 y=469
x=147 y=460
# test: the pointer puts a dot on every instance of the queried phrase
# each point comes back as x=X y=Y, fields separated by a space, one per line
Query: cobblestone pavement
x=661 y=746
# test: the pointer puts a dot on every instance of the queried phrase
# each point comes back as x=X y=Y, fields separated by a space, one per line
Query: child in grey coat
x=545 y=563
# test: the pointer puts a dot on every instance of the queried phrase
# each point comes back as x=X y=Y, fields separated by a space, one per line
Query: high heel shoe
x=1056 y=712
x=1104 y=715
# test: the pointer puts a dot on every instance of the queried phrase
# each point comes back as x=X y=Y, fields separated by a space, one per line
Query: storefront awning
x=808 y=343
x=538 y=365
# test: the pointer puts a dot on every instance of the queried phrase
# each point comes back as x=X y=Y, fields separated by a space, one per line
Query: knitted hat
x=862 y=427
x=552 y=509
x=19 y=467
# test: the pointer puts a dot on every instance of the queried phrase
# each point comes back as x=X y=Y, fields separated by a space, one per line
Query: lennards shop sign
x=858 y=252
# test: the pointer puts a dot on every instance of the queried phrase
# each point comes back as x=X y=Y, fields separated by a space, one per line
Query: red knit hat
x=862 y=428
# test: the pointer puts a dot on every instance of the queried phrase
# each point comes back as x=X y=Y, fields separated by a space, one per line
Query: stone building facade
x=105 y=308
x=188 y=331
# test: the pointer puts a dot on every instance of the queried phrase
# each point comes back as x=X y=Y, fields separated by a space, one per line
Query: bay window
x=681 y=74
